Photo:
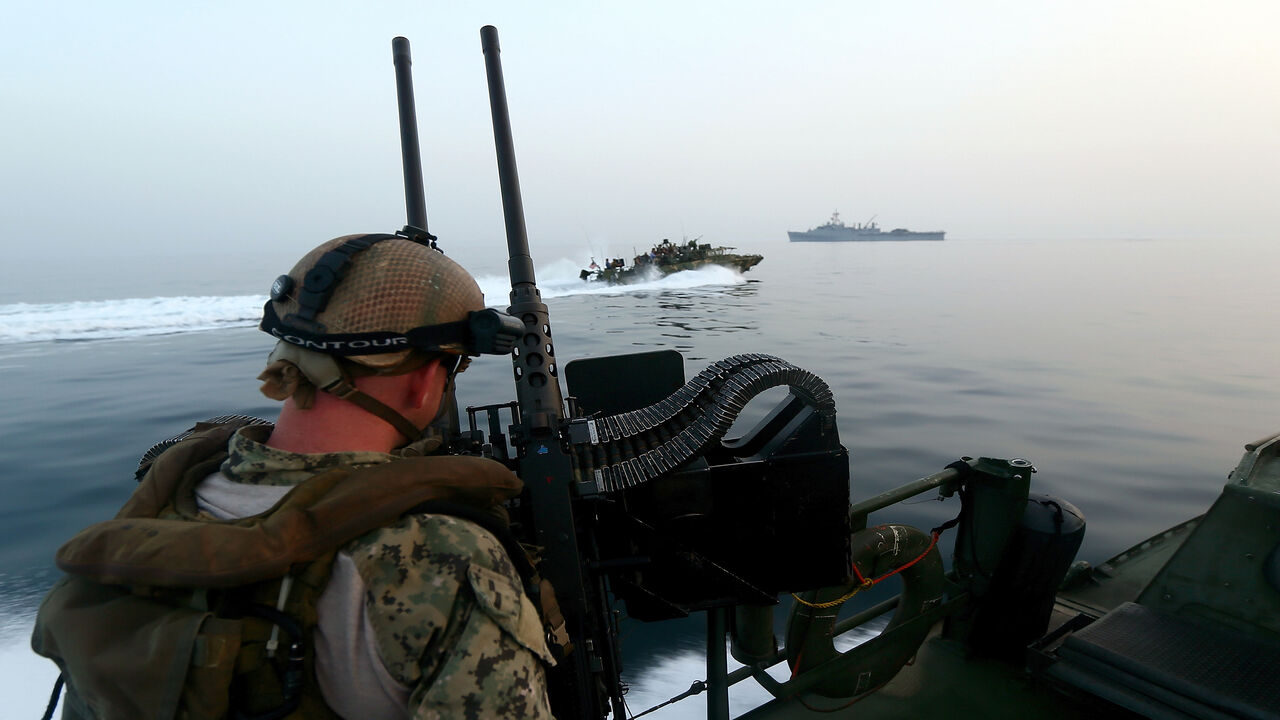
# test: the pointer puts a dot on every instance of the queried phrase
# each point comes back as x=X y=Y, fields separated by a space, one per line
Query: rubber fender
x=876 y=551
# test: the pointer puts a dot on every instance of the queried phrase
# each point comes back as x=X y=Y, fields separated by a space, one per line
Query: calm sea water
x=1129 y=372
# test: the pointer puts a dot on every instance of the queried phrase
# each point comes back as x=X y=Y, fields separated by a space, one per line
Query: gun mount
x=701 y=522
x=683 y=519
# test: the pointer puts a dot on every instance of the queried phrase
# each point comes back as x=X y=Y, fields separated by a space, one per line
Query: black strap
x=427 y=337
x=293 y=676
x=373 y=406
x=53 y=700
x=948 y=524
x=322 y=279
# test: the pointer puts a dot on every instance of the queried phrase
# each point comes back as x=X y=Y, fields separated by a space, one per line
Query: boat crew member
x=422 y=617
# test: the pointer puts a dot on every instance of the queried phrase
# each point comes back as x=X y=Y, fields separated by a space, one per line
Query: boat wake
x=560 y=279
x=135 y=317
x=130 y=317
x=29 y=677
x=666 y=676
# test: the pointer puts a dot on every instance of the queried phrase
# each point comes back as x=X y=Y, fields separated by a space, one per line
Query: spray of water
x=134 y=317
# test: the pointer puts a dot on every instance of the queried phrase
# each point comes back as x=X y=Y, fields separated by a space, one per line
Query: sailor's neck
x=333 y=426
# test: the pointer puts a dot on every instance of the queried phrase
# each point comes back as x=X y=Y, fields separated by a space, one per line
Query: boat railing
x=945 y=479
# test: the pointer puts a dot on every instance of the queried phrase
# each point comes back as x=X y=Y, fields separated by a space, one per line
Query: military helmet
x=372 y=299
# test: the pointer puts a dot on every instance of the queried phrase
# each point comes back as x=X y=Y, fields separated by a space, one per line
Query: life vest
x=164 y=614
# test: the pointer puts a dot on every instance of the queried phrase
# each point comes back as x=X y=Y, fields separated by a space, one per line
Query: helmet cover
x=393 y=286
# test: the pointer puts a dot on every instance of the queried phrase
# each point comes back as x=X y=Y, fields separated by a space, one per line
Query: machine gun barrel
x=520 y=264
x=545 y=466
x=537 y=378
x=415 y=200
x=415 y=197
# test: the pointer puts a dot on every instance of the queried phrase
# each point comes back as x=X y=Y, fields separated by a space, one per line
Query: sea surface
x=1130 y=372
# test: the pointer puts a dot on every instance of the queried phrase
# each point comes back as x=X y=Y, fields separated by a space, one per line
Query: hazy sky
x=266 y=127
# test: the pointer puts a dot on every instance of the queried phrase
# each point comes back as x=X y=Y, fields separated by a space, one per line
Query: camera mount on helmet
x=419 y=235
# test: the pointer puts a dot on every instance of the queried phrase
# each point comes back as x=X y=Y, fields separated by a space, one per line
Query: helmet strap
x=348 y=392
x=323 y=372
x=323 y=278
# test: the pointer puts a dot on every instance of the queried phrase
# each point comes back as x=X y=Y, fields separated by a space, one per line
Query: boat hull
x=633 y=274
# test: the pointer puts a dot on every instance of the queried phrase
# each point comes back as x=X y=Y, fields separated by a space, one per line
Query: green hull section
x=666 y=258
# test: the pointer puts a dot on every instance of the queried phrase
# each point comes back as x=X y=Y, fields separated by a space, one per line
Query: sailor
x=424 y=616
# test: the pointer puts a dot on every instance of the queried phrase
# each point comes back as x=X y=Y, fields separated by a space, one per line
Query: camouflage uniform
x=448 y=615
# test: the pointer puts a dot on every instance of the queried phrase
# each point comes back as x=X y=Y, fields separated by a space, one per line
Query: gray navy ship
x=836 y=231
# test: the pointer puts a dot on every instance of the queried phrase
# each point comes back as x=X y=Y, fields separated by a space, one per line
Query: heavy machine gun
x=633 y=493
x=635 y=497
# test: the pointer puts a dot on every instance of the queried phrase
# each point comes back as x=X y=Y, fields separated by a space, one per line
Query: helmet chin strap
x=323 y=371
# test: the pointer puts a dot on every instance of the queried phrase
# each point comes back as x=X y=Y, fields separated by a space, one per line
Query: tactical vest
x=164 y=614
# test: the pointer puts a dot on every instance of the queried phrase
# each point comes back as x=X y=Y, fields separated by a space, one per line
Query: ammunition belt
x=622 y=451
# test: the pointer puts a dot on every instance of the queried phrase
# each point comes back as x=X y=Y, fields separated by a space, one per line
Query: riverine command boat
x=665 y=258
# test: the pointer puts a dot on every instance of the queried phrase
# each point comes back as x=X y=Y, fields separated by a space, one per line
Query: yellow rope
x=832 y=603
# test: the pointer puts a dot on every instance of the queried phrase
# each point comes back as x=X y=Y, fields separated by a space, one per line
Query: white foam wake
x=131 y=317
x=28 y=678
x=560 y=279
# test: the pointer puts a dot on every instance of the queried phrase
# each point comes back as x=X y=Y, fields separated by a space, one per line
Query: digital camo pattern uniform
x=449 y=617
x=463 y=655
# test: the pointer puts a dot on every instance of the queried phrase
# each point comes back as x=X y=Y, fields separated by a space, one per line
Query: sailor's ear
x=426 y=383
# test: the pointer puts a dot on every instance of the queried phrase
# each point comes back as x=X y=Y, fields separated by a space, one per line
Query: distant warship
x=836 y=231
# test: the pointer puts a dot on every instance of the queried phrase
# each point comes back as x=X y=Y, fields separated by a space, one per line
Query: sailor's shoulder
x=414 y=571
x=441 y=545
